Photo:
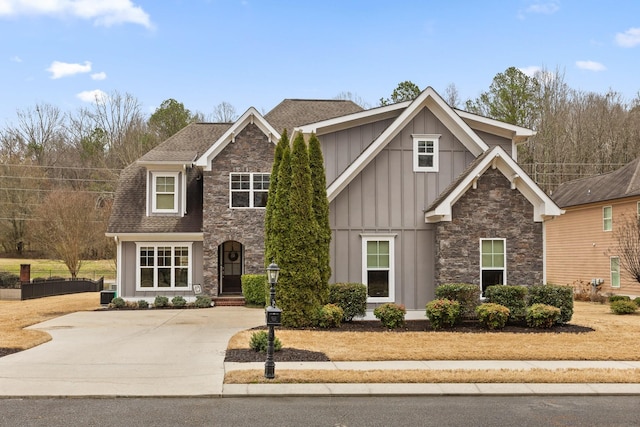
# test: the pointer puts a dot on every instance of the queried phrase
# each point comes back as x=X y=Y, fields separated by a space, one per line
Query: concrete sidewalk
x=156 y=353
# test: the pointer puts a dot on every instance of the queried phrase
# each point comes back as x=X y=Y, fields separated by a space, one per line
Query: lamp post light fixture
x=273 y=317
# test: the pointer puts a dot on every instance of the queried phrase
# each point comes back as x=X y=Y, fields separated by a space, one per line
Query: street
x=522 y=411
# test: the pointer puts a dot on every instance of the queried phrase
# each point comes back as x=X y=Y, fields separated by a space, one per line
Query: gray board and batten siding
x=388 y=197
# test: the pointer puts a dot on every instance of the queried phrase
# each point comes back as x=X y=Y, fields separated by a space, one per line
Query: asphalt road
x=465 y=411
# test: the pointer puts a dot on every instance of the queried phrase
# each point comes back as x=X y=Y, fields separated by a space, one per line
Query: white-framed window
x=378 y=266
x=493 y=266
x=248 y=190
x=425 y=153
x=607 y=218
x=165 y=192
x=614 y=263
x=638 y=210
x=163 y=266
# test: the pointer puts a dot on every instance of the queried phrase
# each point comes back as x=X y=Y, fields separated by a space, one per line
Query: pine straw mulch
x=244 y=355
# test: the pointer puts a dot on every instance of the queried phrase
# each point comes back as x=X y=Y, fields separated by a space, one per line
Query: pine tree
x=320 y=205
x=299 y=273
x=283 y=144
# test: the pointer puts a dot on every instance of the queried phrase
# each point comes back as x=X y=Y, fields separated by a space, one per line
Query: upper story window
x=607 y=218
x=248 y=190
x=165 y=192
x=425 y=153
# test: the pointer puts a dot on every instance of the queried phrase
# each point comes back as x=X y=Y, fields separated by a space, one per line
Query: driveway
x=128 y=353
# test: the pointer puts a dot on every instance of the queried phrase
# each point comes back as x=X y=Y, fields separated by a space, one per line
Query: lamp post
x=274 y=318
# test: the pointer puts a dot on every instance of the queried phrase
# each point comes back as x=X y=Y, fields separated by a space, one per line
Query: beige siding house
x=582 y=244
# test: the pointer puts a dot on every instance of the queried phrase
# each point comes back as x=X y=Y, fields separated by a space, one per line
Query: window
x=163 y=266
x=607 y=218
x=492 y=262
x=249 y=190
x=165 y=194
x=378 y=266
x=425 y=153
x=638 y=210
x=614 y=261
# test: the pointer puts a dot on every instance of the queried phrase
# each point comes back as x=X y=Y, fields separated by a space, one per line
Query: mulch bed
x=296 y=355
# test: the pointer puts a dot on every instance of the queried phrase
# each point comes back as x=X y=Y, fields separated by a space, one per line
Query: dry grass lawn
x=17 y=315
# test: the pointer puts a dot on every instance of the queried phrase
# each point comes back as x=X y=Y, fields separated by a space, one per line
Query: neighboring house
x=420 y=194
x=582 y=244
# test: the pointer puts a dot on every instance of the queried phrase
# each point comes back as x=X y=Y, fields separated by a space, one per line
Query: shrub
x=178 y=301
x=614 y=298
x=467 y=295
x=512 y=297
x=203 y=301
x=161 y=301
x=492 y=316
x=118 y=302
x=143 y=304
x=330 y=316
x=443 y=313
x=542 y=316
x=351 y=298
x=623 y=306
x=260 y=342
x=9 y=280
x=255 y=289
x=391 y=315
x=557 y=296
x=637 y=301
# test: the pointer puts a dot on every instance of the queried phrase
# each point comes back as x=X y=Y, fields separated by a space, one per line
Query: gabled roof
x=186 y=145
x=296 y=112
x=251 y=116
x=517 y=134
x=623 y=182
x=497 y=158
x=430 y=99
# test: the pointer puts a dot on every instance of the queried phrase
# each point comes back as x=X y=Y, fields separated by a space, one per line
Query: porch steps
x=229 y=301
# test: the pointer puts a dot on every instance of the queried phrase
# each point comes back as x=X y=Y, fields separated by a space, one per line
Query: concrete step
x=229 y=301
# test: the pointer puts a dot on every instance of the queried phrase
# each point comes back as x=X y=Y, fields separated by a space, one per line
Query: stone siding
x=493 y=210
x=251 y=152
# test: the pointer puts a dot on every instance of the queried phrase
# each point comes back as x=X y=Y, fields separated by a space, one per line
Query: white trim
x=155 y=237
x=427 y=99
x=504 y=260
x=251 y=190
x=543 y=206
x=251 y=116
x=374 y=237
x=435 y=139
x=609 y=218
x=611 y=272
x=176 y=189
x=173 y=246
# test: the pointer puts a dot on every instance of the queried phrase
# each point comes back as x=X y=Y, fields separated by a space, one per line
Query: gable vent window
x=425 y=153
x=249 y=190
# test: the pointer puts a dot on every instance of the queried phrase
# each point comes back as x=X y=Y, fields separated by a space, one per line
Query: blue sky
x=258 y=52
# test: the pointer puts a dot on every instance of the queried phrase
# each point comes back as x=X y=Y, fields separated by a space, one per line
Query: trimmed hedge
x=330 y=316
x=255 y=289
x=622 y=306
x=443 y=312
x=542 y=316
x=351 y=298
x=492 y=316
x=555 y=295
x=467 y=295
x=614 y=298
x=512 y=297
x=391 y=315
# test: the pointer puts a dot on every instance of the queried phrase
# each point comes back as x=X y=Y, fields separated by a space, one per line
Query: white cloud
x=629 y=38
x=546 y=8
x=530 y=70
x=63 y=69
x=590 y=65
x=15 y=59
x=99 y=76
x=94 y=96
x=105 y=13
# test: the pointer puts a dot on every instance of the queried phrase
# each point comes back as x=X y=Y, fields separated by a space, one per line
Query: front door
x=230 y=267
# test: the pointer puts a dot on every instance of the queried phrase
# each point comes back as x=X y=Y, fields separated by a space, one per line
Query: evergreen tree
x=320 y=205
x=269 y=254
x=299 y=273
x=279 y=227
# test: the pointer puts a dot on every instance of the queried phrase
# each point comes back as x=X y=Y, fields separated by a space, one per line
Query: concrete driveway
x=128 y=353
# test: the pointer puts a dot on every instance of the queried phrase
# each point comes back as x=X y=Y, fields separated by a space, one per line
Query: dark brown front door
x=230 y=267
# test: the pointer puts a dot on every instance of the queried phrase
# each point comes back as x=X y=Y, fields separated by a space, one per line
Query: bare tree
x=354 y=97
x=627 y=236
x=452 y=96
x=224 y=113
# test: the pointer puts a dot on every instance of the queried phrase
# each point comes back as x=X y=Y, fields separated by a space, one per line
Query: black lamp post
x=274 y=318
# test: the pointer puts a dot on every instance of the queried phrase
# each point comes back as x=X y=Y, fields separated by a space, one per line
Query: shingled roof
x=624 y=182
x=187 y=144
x=297 y=112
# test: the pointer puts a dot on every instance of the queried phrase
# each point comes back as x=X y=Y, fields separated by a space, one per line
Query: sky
x=258 y=52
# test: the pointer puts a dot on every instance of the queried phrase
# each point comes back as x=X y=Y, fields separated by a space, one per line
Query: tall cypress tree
x=269 y=254
x=320 y=205
x=280 y=215
x=299 y=276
